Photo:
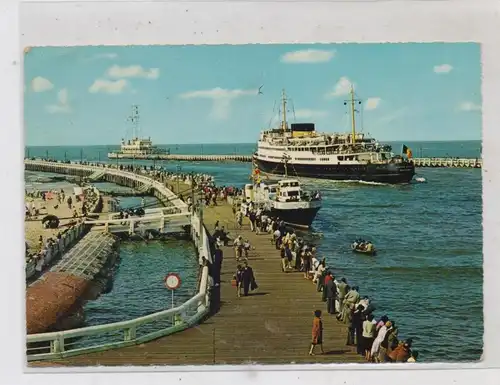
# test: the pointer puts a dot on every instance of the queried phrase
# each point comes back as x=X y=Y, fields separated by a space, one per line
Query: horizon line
x=246 y=143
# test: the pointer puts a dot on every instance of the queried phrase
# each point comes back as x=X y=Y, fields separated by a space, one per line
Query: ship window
x=340 y=158
x=324 y=159
x=293 y=193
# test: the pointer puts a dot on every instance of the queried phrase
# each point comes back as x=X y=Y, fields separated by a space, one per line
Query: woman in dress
x=317 y=333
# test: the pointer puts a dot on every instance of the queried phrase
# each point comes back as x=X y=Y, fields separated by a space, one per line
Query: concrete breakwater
x=419 y=162
x=179 y=318
x=61 y=292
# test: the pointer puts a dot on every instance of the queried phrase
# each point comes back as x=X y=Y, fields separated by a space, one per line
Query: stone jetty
x=419 y=162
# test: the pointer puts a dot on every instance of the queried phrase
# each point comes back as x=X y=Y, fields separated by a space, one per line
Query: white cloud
x=62 y=105
x=108 y=86
x=308 y=56
x=133 y=71
x=310 y=114
x=343 y=87
x=372 y=103
x=469 y=106
x=442 y=68
x=395 y=115
x=40 y=84
x=109 y=56
x=220 y=97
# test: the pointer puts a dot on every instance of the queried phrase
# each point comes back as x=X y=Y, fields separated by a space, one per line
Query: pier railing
x=68 y=238
x=53 y=345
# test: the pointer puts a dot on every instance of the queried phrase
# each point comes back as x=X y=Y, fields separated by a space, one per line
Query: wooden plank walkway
x=272 y=326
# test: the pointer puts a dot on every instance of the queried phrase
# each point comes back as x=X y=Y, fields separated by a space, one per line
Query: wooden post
x=162 y=222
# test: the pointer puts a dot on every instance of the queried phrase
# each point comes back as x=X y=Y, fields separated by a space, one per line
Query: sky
x=209 y=93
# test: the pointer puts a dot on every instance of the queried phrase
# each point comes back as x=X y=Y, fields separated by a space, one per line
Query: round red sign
x=172 y=281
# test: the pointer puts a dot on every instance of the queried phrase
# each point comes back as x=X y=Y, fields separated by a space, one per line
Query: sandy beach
x=34 y=227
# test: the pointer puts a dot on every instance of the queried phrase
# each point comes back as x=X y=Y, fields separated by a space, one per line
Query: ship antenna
x=283 y=100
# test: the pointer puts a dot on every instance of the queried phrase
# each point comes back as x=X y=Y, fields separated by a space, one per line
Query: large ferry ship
x=136 y=147
x=336 y=156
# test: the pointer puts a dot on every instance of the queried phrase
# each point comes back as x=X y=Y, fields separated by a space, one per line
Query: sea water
x=428 y=273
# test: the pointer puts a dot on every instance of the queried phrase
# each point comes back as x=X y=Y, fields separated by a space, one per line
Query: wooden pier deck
x=271 y=326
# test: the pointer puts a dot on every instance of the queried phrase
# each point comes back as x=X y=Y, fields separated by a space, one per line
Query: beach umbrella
x=52 y=219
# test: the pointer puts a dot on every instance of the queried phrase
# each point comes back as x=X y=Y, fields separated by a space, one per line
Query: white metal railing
x=57 y=249
x=47 y=346
x=156 y=221
x=171 y=197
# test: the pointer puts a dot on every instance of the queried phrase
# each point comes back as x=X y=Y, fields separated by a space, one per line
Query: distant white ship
x=136 y=147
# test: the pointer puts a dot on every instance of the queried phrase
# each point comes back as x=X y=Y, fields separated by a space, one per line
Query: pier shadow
x=258 y=294
x=334 y=352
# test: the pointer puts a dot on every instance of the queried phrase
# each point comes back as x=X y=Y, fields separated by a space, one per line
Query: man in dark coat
x=248 y=279
x=217 y=265
x=331 y=294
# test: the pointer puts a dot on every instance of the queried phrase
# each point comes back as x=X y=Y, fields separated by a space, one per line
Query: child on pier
x=317 y=333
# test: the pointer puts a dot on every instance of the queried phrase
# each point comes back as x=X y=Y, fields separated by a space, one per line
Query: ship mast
x=353 y=118
x=283 y=101
x=134 y=118
x=353 y=113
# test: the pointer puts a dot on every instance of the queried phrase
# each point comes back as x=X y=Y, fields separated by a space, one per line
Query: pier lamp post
x=81 y=155
x=65 y=156
x=99 y=156
x=179 y=169
x=47 y=154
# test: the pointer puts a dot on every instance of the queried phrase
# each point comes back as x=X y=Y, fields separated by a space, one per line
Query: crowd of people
x=47 y=248
x=376 y=339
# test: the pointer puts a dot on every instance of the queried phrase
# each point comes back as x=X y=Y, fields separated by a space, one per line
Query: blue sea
x=428 y=274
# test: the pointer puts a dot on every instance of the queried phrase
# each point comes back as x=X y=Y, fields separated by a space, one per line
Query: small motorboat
x=363 y=247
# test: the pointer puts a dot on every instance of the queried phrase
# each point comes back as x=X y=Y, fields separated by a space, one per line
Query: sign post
x=172 y=283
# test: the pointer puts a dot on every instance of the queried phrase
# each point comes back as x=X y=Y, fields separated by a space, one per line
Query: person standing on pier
x=349 y=322
x=368 y=335
x=317 y=333
x=238 y=277
x=248 y=279
x=342 y=289
x=217 y=265
x=357 y=323
x=331 y=293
